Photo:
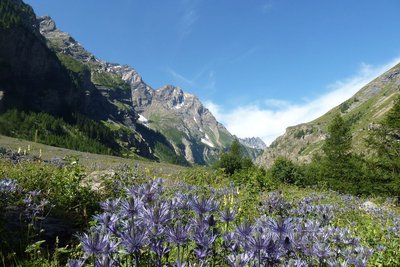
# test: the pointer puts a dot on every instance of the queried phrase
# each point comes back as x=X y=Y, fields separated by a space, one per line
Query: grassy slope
x=371 y=111
x=92 y=161
x=369 y=105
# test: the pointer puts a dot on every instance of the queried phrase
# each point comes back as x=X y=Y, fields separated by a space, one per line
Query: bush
x=233 y=160
x=284 y=170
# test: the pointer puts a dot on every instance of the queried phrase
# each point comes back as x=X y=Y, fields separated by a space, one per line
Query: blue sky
x=259 y=65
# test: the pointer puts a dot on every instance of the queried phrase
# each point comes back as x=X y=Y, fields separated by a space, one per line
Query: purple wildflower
x=76 y=263
x=8 y=186
x=97 y=244
x=281 y=229
x=131 y=206
x=110 y=205
x=157 y=214
x=240 y=260
x=227 y=215
x=203 y=205
x=244 y=230
x=107 y=221
x=179 y=234
x=134 y=239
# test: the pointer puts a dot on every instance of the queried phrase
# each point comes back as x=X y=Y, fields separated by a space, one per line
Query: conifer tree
x=385 y=143
x=338 y=168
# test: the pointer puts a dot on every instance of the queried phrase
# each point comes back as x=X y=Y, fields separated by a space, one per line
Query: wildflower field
x=52 y=215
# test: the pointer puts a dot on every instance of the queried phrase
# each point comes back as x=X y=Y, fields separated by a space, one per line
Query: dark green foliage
x=80 y=134
x=11 y=14
x=337 y=145
x=338 y=168
x=385 y=144
x=353 y=119
x=344 y=107
x=299 y=134
x=284 y=170
x=341 y=170
x=233 y=160
x=256 y=179
x=72 y=203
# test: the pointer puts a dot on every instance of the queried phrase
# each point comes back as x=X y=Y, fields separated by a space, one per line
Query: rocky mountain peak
x=172 y=96
x=62 y=41
x=253 y=142
x=47 y=24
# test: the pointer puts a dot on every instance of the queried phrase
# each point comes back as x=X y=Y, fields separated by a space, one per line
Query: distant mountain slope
x=183 y=119
x=253 y=142
x=362 y=111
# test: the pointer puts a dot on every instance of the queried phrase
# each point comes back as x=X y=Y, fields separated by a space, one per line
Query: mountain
x=182 y=118
x=44 y=69
x=363 y=112
x=253 y=142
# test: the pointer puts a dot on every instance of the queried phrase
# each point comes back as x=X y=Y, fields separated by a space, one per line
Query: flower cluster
x=8 y=188
x=153 y=226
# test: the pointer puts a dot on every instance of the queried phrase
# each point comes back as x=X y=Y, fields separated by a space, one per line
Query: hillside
x=91 y=161
x=363 y=112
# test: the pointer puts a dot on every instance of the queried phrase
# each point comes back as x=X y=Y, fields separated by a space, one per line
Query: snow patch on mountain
x=142 y=119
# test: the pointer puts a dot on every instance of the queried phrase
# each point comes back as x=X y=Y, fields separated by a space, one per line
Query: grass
x=109 y=80
x=71 y=63
x=89 y=160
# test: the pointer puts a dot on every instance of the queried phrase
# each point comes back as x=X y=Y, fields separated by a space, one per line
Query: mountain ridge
x=195 y=133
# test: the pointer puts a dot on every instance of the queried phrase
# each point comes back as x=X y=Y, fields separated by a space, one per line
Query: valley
x=98 y=168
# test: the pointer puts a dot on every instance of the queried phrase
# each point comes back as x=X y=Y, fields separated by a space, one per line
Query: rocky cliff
x=31 y=76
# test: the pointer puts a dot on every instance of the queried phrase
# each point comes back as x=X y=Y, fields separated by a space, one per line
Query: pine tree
x=233 y=160
x=337 y=145
x=337 y=164
x=385 y=143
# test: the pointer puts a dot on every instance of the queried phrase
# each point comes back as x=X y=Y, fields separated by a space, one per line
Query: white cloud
x=205 y=79
x=188 y=18
x=277 y=103
x=266 y=6
x=179 y=77
x=270 y=122
x=187 y=21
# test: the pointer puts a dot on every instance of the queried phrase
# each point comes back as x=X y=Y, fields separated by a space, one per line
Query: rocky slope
x=182 y=118
x=363 y=112
x=253 y=142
